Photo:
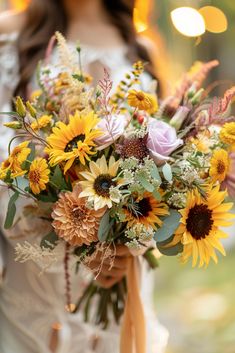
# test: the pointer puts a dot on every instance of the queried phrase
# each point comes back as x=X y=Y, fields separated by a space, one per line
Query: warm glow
x=141 y=15
x=215 y=19
x=188 y=21
x=19 y=5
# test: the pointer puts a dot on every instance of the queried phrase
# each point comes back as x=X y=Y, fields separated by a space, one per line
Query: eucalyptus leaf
x=155 y=173
x=49 y=241
x=167 y=172
x=171 y=251
x=145 y=183
x=11 y=210
x=157 y=195
x=169 y=226
x=104 y=227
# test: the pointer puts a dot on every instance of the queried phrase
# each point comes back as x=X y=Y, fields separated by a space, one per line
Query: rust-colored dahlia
x=73 y=221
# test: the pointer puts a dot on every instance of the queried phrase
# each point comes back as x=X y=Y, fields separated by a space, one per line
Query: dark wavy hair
x=45 y=17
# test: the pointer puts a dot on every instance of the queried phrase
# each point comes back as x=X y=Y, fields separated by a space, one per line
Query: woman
x=32 y=315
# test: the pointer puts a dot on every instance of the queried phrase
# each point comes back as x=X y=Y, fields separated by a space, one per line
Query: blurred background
x=197 y=306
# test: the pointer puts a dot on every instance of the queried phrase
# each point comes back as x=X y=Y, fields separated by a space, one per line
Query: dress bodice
x=31 y=303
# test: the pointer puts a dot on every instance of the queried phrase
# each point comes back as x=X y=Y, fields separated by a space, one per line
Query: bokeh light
x=215 y=19
x=188 y=21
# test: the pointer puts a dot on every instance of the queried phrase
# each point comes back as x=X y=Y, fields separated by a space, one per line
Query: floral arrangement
x=120 y=167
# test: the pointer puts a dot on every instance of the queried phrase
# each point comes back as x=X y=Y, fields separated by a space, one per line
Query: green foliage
x=105 y=227
x=167 y=172
x=11 y=210
x=49 y=241
x=155 y=173
x=169 y=226
x=58 y=181
x=171 y=251
x=145 y=183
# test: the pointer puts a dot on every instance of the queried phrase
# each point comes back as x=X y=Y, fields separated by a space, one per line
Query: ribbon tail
x=133 y=334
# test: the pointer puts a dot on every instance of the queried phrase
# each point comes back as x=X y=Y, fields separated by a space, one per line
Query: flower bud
x=179 y=117
x=31 y=109
x=197 y=97
x=14 y=125
x=20 y=107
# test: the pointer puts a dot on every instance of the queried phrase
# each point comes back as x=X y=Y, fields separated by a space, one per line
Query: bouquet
x=109 y=167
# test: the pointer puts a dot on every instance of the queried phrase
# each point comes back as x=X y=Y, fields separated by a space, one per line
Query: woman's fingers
x=107 y=281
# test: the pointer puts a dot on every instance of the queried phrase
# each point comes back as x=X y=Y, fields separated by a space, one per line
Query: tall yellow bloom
x=38 y=175
x=142 y=101
x=199 y=226
x=227 y=133
x=41 y=122
x=73 y=141
x=219 y=165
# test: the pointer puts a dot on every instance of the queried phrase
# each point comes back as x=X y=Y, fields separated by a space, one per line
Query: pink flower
x=229 y=182
x=162 y=140
x=113 y=127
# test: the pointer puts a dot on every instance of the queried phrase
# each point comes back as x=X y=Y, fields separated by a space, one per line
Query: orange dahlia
x=74 y=221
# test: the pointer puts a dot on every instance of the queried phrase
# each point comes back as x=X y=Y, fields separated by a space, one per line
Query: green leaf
x=167 y=172
x=11 y=210
x=151 y=258
x=57 y=180
x=145 y=183
x=49 y=241
x=157 y=195
x=31 y=157
x=155 y=174
x=171 y=251
x=169 y=226
x=47 y=197
x=104 y=227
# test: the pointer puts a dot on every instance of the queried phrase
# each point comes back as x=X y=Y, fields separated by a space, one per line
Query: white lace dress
x=30 y=303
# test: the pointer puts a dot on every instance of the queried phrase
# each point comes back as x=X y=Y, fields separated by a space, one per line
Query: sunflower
x=74 y=140
x=219 y=165
x=99 y=181
x=146 y=211
x=14 y=162
x=199 y=226
x=227 y=133
x=142 y=101
x=41 y=122
x=38 y=175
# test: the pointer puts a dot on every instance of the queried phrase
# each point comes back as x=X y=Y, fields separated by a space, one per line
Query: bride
x=32 y=307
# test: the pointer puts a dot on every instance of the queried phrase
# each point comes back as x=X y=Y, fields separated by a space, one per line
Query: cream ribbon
x=133 y=332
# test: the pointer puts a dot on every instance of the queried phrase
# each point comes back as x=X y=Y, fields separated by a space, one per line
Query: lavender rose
x=162 y=140
x=113 y=127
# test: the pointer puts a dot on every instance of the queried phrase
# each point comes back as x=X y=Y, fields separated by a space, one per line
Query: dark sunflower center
x=73 y=143
x=220 y=167
x=199 y=222
x=142 y=208
x=140 y=96
x=102 y=184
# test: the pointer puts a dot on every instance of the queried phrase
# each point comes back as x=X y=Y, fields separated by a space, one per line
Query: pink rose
x=229 y=182
x=162 y=140
x=113 y=127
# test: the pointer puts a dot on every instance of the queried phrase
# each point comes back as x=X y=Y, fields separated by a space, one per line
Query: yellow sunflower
x=41 y=122
x=38 y=175
x=146 y=211
x=199 y=226
x=142 y=101
x=74 y=141
x=98 y=182
x=14 y=162
x=219 y=165
x=227 y=133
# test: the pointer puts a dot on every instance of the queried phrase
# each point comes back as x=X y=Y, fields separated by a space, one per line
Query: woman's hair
x=45 y=17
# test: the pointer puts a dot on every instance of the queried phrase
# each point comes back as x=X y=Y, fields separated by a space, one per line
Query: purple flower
x=162 y=140
x=112 y=127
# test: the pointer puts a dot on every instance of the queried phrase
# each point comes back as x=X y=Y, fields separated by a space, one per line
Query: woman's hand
x=110 y=276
